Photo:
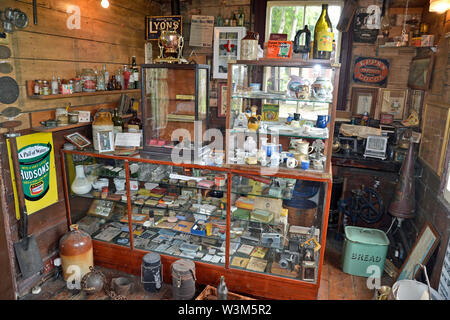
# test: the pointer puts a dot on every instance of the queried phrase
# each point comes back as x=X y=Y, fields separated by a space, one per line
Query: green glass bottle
x=323 y=36
x=117 y=121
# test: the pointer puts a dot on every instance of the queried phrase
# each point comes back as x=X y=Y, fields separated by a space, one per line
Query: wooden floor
x=335 y=284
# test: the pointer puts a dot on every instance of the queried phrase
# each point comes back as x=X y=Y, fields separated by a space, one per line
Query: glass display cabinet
x=264 y=233
x=281 y=115
x=175 y=104
x=227 y=47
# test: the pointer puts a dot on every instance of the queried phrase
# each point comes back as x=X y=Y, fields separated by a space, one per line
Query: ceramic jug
x=322 y=121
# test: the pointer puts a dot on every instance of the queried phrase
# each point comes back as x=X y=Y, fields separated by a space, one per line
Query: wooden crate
x=210 y=293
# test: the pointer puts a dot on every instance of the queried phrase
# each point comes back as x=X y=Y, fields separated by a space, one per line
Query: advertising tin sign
x=37 y=171
x=34 y=163
x=154 y=25
x=371 y=71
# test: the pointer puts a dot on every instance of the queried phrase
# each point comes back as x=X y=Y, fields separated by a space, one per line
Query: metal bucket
x=414 y=290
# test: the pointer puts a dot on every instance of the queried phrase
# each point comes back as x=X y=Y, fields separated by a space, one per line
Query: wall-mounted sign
x=371 y=71
x=37 y=170
x=154 y=26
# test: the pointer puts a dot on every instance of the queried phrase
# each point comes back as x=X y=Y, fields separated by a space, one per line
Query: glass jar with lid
x=45 y=88
x=77 y=87
x=89 y=80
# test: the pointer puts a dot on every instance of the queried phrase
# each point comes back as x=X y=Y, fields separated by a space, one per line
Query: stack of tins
x=183 y=279
x=302 y=211
x=75 y=250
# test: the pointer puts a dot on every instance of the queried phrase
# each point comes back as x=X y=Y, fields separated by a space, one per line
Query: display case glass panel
x=98 y=202
x=276 y=226
x=281 y=108
x=175 y=106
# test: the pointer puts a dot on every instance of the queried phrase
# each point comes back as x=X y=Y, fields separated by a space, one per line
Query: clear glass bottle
x=41 y=87
x=100 y=81
x=333 y=53
x=222 y=290
x=106 y=74
x=119 y=78
x=54 y=85
x=59 y=85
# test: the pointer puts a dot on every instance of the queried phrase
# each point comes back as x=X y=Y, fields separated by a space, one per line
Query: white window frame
x=446 y=188
x=271 y=4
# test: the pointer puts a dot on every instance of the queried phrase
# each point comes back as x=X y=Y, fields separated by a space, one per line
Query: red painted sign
x=372 y=71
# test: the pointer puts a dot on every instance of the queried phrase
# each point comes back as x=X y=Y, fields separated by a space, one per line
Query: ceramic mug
x=263 y=161
x=291 y=162
x=120 y=184
x=303 y=147
x=304 y=164
x=218 y=160
x=295 y=124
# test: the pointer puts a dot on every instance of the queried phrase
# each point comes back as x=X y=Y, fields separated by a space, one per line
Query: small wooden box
x=210 y=293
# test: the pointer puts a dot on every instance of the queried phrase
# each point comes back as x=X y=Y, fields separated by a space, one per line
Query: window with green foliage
x=288 y=17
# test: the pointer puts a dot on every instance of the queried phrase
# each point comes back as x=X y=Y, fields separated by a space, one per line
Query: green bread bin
x=364 y=247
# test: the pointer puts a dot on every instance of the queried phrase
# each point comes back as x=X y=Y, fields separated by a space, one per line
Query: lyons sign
x=154 y=26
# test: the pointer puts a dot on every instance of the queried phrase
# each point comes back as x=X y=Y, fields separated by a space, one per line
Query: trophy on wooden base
x=170 y=47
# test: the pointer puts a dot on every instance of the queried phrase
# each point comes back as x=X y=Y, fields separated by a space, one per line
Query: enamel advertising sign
x=37 y=171
x=371 y=71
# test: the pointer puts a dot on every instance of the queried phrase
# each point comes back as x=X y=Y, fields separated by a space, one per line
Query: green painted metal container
x=364 y=251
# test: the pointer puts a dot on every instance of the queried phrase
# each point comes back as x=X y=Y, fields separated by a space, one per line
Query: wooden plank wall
x=399 y=58
x=430 y=207
x=107 y=36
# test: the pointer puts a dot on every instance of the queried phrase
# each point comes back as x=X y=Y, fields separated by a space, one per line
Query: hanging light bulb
x=439 y=6
x=105 y=3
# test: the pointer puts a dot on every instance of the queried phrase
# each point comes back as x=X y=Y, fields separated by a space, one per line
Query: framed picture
x=393 y=101
x=78 y=140
x=223 y=93
x=105 y=141
x=420 y=253
x=420 y=73
x=364 y=100
x=415 y=101
x=435 y=136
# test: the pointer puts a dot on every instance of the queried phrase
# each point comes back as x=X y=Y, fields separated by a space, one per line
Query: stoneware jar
x=75 y=250
x=249 y=46
x=102 y=122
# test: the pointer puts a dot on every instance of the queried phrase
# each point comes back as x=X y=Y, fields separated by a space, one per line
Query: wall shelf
x=30 y=84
